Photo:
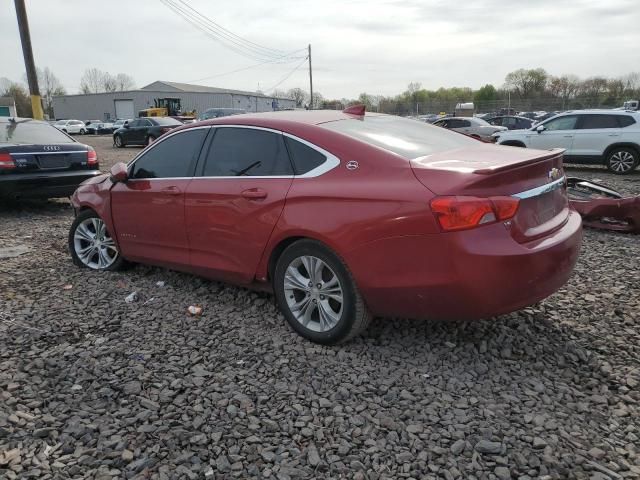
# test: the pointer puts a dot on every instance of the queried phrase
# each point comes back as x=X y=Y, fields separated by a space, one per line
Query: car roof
x=272 y=119
x=593 y=111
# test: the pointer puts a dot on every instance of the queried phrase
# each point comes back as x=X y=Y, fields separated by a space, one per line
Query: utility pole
x=32 y=77
x=310 y=80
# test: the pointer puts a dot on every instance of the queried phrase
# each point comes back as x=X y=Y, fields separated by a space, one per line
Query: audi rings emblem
x=51 y=148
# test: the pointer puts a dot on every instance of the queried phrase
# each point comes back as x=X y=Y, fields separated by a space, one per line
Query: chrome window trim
x=330 y=163
x=49 y=153
x=541 y=190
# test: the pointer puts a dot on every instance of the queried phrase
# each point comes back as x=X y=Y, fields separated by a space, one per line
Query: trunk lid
x=536 y=177
x=46 y=158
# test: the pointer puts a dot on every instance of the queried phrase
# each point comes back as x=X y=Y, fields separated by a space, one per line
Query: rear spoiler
x=555 y=152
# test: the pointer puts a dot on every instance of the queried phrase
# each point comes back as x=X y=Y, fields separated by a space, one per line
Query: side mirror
x=540 y=128
x=119 y=172
x=126 y=125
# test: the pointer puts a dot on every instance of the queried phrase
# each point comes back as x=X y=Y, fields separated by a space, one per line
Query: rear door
x=558 y=133
x=148 y=210
x=234 y=202
x=595 y=132
x=128 y=133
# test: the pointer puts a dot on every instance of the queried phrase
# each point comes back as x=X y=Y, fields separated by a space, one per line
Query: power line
x=271 y=51
x=287 y=75
x=230 y=72
x=233 y=42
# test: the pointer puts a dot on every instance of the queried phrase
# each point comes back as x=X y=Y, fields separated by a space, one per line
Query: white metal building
x=112 y=105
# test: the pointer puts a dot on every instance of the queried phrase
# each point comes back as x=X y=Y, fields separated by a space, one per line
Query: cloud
x=373 y=46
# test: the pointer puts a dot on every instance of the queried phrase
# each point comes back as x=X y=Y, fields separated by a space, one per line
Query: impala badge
x=352 y=165
x=553 y=174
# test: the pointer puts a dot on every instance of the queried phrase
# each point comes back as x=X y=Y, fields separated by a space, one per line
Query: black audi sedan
x=143 y=131
x=38 y=160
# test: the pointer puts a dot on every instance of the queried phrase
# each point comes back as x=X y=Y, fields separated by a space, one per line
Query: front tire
x=82 y=131
x=118 y=142
x=318 y=295
x=91 y=245
x=622 y=160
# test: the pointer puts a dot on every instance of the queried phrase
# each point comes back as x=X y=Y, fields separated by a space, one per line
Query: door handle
x=614 y=134
x=568 y=136
x=254 y=193
x=171 y=191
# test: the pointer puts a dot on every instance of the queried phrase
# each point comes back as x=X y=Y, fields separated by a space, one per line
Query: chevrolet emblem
x=554 y=174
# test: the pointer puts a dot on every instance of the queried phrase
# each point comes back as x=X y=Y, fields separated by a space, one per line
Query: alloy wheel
x=621 y=161
x=93 y=245
x=313 y=293
x=118 y=141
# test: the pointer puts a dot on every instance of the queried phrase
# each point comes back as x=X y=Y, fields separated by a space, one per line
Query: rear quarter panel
x=345 y=209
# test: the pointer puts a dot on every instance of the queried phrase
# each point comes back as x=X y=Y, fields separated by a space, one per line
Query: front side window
x=145 y=123
x=135 y=123
x=238 y=152
x=598 y=121
x=174 y=157
x=562 y=123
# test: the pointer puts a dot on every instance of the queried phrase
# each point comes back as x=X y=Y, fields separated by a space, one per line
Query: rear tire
x=91 y=245
x=150 y=140
x=514 y=144
x=622 y=160
x=324 y=306
x=118 y=142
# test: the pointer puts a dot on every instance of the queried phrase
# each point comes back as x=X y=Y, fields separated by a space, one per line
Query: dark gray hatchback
x=38 y=160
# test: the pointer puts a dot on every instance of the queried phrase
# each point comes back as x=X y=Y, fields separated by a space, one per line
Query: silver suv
x=608 y=137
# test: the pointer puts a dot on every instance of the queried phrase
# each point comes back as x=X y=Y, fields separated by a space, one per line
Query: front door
x=235 y=200
x=148 y=209
x=558 y=133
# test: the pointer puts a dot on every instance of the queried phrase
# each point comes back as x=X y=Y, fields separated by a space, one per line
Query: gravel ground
x=94 y=387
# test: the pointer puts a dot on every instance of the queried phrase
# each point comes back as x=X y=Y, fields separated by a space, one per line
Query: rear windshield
x=166 y=121
x=31 y=132
x=408 y=138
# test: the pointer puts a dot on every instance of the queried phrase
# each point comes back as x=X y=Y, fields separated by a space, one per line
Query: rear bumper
x=48 y=185
x=466 y=275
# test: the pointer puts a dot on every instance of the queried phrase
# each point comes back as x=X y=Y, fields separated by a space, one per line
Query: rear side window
x=174 y=157
x=247 y=152
x=625 y=120
x=407 y=138
x=599 y=121
x=304 y=157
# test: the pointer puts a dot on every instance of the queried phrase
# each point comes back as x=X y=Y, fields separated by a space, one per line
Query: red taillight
x=461 y=213
x=6 y=162
x=92 y=157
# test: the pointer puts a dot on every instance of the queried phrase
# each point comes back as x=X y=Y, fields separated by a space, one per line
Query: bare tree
x=317 y=99
x=277 y=93
x=109 y=83
x=92 y=81
x=299 y=95
x=564 y=87
x=50 y=86
x=124 y=82
x=527 y=83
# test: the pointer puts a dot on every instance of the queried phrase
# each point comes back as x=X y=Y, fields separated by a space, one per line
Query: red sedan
x=344 y=215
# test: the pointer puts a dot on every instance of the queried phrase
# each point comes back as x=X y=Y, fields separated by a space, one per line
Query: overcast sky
x=370 y=45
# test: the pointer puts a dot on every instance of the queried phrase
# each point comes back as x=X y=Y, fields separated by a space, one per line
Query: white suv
x=609 y=137
x=71 y=126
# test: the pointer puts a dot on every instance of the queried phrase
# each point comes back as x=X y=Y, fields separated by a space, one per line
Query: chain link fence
x=547 y=104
